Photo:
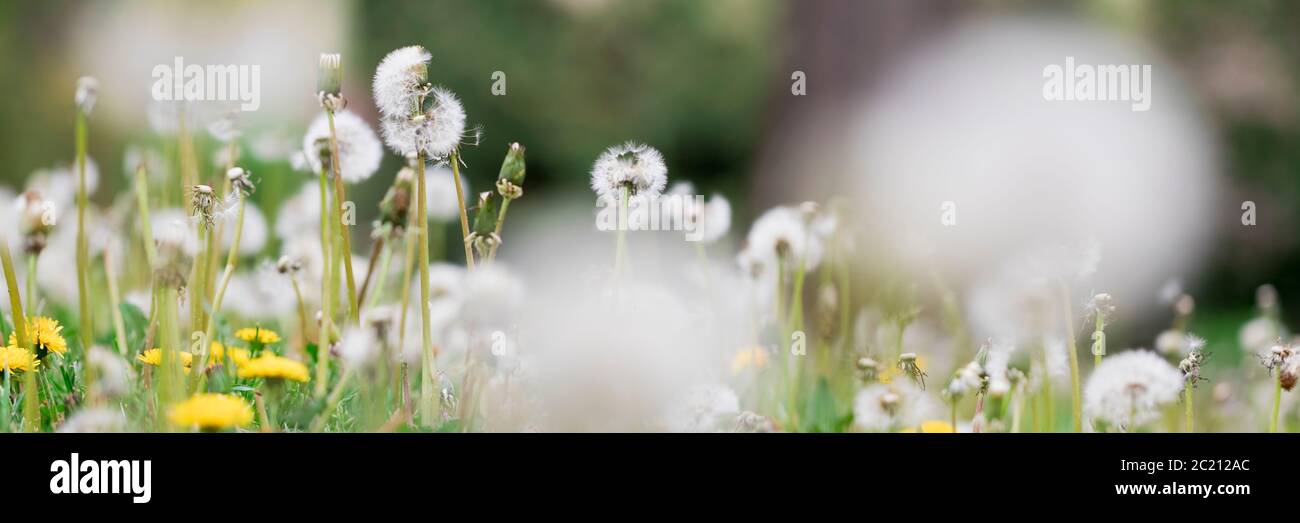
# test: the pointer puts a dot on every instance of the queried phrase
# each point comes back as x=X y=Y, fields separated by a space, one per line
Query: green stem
x=339 y=195
x=1277 y=402
x=333 y=402
x=1187 y=406
x=1076 y=392
x=460 y=202
x=385 y=261
x=429 y=366
x=146 y=227
x=231 y=260
x=119 y=325
x=323 y=338
x=83 y=246
x=620 y=247
x=31 y=282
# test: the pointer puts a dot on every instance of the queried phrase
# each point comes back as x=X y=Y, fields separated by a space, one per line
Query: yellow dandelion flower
x=153 y=357
x=211 y=412
x=217 y=356
x=745 y=358
x=270 y=366
x=257 y=334
x=17 y=359
x=45 y=335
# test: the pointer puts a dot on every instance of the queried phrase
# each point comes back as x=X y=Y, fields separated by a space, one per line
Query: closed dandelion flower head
x=257 y=335
x=639 y=167
x=17 y=359
x=399 y=80
x=359 y=148
x=211 y=412
x=1128 y=389
x=270 y=366
x=436 y=132
x=44 y=333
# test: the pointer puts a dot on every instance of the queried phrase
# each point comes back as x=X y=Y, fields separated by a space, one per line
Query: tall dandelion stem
x=426 y=332
x=114 y=297
x=1277 y=402
x=31 y=281
x=323 y=336
x=83 y=247
x=219 y=295
x=1187 y=406
x=620 y=247
x=460 y=202
x=1076 y=393
x=344 y=231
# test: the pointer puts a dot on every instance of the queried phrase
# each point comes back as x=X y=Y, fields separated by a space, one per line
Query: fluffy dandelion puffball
x=211 y=412
x=900 y=404
x=399 y=80
x=359 y=148
x=1128 y=389
x=436 y=132
x=783 y=234
x=704 y=408
x=637 y=166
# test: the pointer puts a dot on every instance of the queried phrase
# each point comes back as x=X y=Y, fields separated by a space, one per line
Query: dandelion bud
x=510 y=182
x=329 y=75
x=87 y=93
x=485 y=222
x=394 y=208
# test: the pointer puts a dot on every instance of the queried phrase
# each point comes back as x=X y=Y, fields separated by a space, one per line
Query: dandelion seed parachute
x=436 y=132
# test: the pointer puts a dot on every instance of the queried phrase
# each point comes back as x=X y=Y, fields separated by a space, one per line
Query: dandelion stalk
x=344 y=232
x=220 y=294
x=1076 y=392
x=1277 y=402
x=31 y=280
x=620 y=247
x=83 y=246
x=385 y=261
x=460 y=203
x=429 y=366
x=333 y=402
x=119 y=325
x=323 y=338
x=263 y=418
x=146 y=227
x=1187 y=406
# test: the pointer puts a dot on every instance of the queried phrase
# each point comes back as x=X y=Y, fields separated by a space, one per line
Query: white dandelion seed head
x=883 y=407
x=440 y=191
x=1171 y=342
x=783 y=234
x=254 y=235
x=262 y=293
x=300 y=215
x=704 y=408
x=1128 y=389
x=492 y=295
x=95 y=420
x=112 y=374
x=436 y=133
x=1259 y=334
x=716 y=218
x=967 y=380
x=399 y=80
x=173 y=228
x=150 y=159
x=59 y=185
x=359 y=148
x=87 y=93
x=358 y=347
x=636 y=165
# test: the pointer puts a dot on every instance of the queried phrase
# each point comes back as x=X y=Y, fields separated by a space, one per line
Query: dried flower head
x=329 y=77
x=907 y=362
x=288 y=266
x=203 y=204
